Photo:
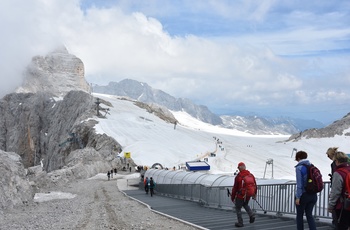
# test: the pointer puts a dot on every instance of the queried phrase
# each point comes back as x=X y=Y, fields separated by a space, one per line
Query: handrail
x=273 y=198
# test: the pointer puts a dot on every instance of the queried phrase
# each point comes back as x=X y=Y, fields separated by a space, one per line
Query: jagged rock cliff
x=36 y=127
x=58 y=73
x=47 y=125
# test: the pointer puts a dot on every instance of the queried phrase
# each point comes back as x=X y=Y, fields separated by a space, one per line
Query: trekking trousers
x=239 y=203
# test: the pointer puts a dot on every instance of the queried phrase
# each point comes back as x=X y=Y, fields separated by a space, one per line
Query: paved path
x=209 y=218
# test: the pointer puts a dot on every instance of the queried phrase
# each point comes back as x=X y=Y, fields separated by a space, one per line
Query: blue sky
x=275 y=58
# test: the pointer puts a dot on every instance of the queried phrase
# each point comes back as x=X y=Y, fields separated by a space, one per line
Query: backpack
x=314 y=183
x=346 y=188
x=248 y=186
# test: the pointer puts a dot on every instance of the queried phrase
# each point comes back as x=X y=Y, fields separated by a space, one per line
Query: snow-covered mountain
x=250 y=124
x=144 y=93
x=263 y=125
x=151 y=140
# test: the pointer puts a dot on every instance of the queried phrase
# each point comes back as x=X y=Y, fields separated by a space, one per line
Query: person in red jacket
x=243 y=189
x=338 y=192
x=146 y=184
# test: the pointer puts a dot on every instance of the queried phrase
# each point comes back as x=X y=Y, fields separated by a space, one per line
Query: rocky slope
x=339 y=127
x=15 y=188
x=37 y=127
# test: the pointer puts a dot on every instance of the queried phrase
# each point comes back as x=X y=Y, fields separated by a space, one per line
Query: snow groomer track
x=209 y=218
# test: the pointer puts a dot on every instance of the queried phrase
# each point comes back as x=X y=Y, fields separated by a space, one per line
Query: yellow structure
x=127 y=155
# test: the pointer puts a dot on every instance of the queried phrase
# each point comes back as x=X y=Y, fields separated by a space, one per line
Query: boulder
x=15 y=188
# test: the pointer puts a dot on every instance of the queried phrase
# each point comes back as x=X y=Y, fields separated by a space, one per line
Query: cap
x=240 y=164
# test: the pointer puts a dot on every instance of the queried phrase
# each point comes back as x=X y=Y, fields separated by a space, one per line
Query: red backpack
x=248 y=186
x=346 y=189
x=314 y=183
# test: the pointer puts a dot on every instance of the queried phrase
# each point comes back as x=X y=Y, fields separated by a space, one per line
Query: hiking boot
x=239 y=224
x=252 y=219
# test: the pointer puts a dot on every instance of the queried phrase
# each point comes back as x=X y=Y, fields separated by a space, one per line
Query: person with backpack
x=243 y=189
x=339 y=197
x=305 y=201
x=330 y=154
x=146 y=184
x=152 y=185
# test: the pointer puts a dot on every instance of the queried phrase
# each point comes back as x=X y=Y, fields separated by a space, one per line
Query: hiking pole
x=260 y=206
x=229 y=194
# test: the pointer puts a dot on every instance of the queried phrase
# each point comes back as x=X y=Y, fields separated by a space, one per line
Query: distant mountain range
x=251 y=124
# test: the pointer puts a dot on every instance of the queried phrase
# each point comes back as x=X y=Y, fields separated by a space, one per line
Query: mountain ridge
x=251 y=124
x=143 y=92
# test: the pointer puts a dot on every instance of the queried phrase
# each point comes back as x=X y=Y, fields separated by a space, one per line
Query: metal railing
x=275 y=198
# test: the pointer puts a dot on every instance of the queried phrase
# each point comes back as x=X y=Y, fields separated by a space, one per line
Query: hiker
x=146 y=184
x=112 y=173
x=243 y=189
x=130 y=169
x=330 y=154
x=115 y=171
x=304 y=201
x=152 y=185
x=337 y=194
x=108 y=175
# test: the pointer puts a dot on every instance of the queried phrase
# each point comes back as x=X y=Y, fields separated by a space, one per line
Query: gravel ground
x=98 y=205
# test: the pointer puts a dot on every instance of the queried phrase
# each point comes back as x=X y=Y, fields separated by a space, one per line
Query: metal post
x=294 y=150
x=269 y=162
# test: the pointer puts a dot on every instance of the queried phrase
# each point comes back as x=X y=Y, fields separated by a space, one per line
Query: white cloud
x=118 y=42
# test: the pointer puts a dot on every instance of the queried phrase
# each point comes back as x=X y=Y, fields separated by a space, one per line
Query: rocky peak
x=339 y=127
x=58 y=73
